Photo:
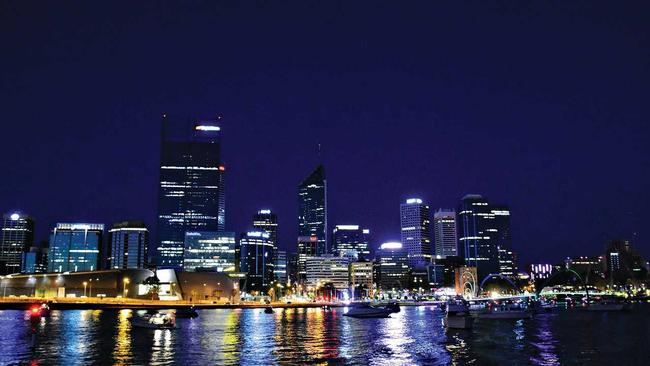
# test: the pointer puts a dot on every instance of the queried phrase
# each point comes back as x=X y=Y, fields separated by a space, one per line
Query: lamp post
x=90 y=289
x=125 y=291
x=85 y=284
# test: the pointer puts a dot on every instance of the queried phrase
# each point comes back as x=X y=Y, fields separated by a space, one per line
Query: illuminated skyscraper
x=444 y=227
x=267 y=221
x=256 y=260
x=75 y=247
x=350 y=241
x=191 y=193
x=312 y=208
x=484 y=237
x=210 y=251
x=416 y=233
x=16 y=237
x=128 y=245
x=307 y=248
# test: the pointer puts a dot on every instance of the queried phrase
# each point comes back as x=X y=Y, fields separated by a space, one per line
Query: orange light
x=222 y=168
x=35 y=310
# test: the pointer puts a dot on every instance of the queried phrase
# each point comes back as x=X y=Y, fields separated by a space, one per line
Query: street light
x=90 y=290
x=85 y=284
x=125 y=291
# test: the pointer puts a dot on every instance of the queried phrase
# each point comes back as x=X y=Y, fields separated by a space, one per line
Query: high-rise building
x=393 y=263
x=75 y=247
x=350 y=241
x=416 y=233
x=444 y=227
x=484 y=237
x=280 y=266
x=268 y=221
x=210 y=251
x=307 y=248
x=129 y=241
x=16 y=237
x=328 y=269
x=312 y=208
x=191 y=192
x=35 y=260
x=256 y=260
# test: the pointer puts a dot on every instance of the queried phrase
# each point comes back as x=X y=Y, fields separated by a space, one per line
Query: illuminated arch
x=498 y=275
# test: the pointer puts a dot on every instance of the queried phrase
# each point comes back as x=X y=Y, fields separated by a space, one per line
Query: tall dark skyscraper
x=484 y=236
x=16 y=237
x=191 y=192
x=416 y=231
x=312 y=208
x=256 y=260
x=128 y=245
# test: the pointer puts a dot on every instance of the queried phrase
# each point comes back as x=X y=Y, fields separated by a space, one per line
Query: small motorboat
x=188 y=312
x=368 y=312
x=327 y=308
x=45 y=310
x=457 y=315
x=153 y=321
x=268 y=310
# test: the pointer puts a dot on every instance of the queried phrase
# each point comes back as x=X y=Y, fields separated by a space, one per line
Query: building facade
x=326 y=269
x=210 y=251
x=129 y=243
x=484 y=237
x=75 y=247
x=16 y=237
x=361 y=279
x=191 y=191
x=256 y=260
x=280 y=266
x=416 y=231
x=350 y=241
x=307 y=248
x=393 y=266
x=35 y=260
x=444 y=228
x=312 y=208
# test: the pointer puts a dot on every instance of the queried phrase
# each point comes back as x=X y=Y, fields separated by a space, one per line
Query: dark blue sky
x=542 y=106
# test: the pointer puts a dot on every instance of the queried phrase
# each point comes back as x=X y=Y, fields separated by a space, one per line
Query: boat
x=268 y=310
x=363 y=312
x=393 y=307
x=506 y=312
x=457 y=315
x=188 y=312
x=327 y=308
x=45 y=310
x=155 y=321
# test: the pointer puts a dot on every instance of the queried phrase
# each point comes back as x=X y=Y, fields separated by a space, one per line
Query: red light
x=222 y=168
x=35 y=310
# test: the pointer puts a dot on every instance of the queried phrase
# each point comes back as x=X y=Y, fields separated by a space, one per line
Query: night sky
x=543 y=107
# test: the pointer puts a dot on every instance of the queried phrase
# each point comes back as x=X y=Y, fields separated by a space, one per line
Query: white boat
x=368 y=312
x=153 y=321
x=457 y=315
x=506 y=312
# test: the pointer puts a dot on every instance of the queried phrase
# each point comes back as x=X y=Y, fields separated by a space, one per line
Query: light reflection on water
x=313 y=336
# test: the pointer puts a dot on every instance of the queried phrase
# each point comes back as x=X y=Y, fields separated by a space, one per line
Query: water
x=311 y=336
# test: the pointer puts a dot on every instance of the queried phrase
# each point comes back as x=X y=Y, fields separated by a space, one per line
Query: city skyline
x=410 y=106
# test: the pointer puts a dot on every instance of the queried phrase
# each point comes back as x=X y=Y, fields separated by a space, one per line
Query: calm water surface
x=415 y=336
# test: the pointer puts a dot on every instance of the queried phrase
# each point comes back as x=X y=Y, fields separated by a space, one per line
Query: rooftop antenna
x=319 y=154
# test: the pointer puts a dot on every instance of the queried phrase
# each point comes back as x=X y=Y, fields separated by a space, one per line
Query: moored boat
x=368 y=312
x=506 y=312
x=457 y=315
x=153 y=321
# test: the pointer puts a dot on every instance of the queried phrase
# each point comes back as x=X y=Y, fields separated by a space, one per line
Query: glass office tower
x=16 y=237
x=350 y=241
x=484 y=237
x=312 y=208
x=191 y=191
x=75 y=247
x=128 y=245
x=256 y=254
x=444 y=228
x=415 y=230
x=210 y=251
